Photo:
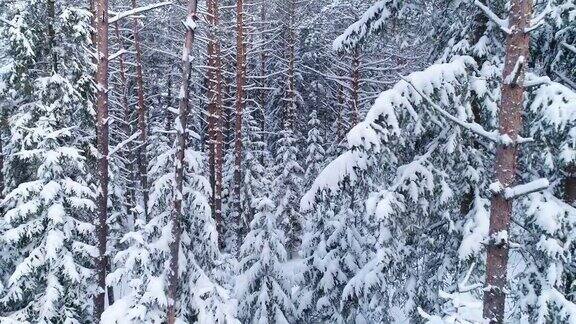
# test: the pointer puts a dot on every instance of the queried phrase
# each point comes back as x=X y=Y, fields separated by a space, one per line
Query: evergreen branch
x=473 y=127
x=502 y=24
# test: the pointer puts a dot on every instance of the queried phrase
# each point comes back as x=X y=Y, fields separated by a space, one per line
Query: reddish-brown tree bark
x=263 y=59
x=173 y=279
x=215 y=120
x=142 y=114
x=240 y=82
x=290 y=106
x=101 y=23
x=510 y=116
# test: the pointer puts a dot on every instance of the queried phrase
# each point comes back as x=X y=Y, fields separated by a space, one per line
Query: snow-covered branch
x=372 y=20
x=538 y=21
x=138 y=10
x=520 y=190
x=571 y=48
x=473 y=127
x=525 y=189
x=123 y=143
x=7 y=22
x=512 y=78
x=117 y=54
x=502 y=24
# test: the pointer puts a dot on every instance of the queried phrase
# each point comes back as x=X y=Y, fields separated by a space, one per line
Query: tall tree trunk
x=142 y=113
x=570 y=185
x=263 y=59
x=355 y=118
x=52 y=33
x=215 y=123
x=340 y=119
x=127 y=117
x=510 y=117
x=101 y=21
x=570 y=199
x=290 y=114
x=177 y=214
x=240 y=82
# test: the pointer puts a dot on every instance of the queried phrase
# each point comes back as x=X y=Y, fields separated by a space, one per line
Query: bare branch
x=138 y=10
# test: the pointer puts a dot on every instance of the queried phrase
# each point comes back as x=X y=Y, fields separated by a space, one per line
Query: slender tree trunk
x=52 y=33
x=101 y=21
x=570 y=199
x=167 y=113
x=290 y=113
x=142 y=113
x=240 y=82
x=177 y=214
x=127 y=116
x=355 y=118
x=2 y=185
x=506 y=159
x=215 y=111
x=570 y=185
x=263 y=59
x=340 y=119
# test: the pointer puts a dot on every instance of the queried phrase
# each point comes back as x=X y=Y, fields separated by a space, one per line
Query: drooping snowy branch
x=501 y=23
x=382 y=124
x=123 y=143
x=571 y=48
x=7 y=22
x=136 y=11
x=371 y=21
x=538 y=21
x=118 y=54
x=473 y=127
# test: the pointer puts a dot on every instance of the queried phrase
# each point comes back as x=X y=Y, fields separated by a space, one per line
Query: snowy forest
x=287 y=161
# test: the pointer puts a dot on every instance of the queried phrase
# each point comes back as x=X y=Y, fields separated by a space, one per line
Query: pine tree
x=144 y=264
x=48 y=204
x=253 y=171
x=264 y=286
x=287 y=184
x=315 y=151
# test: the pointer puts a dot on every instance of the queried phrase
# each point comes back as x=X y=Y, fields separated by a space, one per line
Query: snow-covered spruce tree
x=253 y=171
x=49 y=201
x=334 y=250
x=264 y=286
x=315 y=152
x=426 y=163
x=287 y=188
x=144 y=264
